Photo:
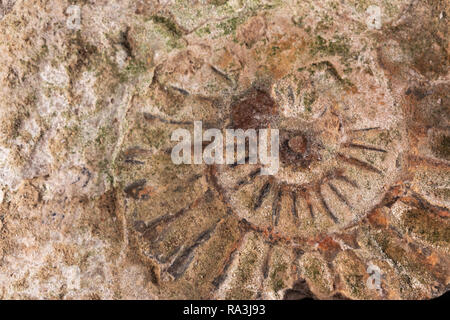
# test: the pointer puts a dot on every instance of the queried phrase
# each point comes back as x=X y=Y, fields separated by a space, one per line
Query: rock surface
x=92 y=207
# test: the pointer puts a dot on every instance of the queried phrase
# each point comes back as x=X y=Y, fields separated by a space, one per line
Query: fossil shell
x=358 y=209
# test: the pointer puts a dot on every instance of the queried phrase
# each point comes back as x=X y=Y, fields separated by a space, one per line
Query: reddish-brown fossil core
x=298 y=144
x=255 y=111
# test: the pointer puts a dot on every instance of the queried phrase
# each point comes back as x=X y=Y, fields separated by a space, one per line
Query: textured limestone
x=92 y=207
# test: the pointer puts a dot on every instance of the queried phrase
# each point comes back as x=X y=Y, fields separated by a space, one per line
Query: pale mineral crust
x=92 y=206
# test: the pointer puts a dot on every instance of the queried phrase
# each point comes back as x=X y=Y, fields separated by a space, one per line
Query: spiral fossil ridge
x=358 y=209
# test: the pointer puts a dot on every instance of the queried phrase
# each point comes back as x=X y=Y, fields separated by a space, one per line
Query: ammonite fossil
x=347 y=196
x=359 y=207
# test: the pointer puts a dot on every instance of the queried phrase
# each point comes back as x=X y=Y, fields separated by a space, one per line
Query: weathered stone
x=92 y=206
